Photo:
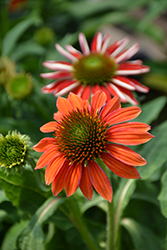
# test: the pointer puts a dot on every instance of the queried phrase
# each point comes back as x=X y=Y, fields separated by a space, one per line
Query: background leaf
x=141 y=236
x=163 y=194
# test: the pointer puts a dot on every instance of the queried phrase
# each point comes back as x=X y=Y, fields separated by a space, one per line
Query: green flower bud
x=44 y=35
x=7 y=70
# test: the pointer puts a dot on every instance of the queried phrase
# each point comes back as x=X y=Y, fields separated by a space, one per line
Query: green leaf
x=141 y=236
x=27 y=48
x=3 y=196
x=162 y=196
x=154 y=151
x=12 y=36
x=10 y=238
x=32 y=237
x=22 y=190
x=156 y=105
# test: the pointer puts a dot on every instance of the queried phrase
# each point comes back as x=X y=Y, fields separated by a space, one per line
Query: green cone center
x=94 y=69
x=81 y=136
x=12 y=151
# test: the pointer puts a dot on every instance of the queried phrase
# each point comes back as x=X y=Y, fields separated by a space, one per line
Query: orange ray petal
x=44 y=144
x=63 y=105
x=119 y=168
x=57 y=116
x=100 y=181
x=58 y=182
x=140 y=126
x=85 y=184
x=76 y=101
x=97 y=101
x=72 y=179
x=46 y=157
x=49 y=127
x=53 y=168
x=125 y=155
x=122 y=115
x=111 y=106
x=129 y=136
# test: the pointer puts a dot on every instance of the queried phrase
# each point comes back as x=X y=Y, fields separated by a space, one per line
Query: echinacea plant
x=101 y=67
x=87 y=138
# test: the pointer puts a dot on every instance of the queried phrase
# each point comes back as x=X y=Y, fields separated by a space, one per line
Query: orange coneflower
x=101 y=67
x=84 y=133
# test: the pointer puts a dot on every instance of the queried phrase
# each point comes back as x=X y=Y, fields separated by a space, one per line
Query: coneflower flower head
x=83 y=133
x=101 y=67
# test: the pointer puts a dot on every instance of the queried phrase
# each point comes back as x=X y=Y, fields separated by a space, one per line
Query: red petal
x=86 y=93
x=50 y=87
x=119 y=168
x=97 y=101
x=125 y=155
x=56 y=75
x=44 y=144
x=72 y=179
x=123 y=114
x=58 y=182
x=128 y=95
x=139 y=87
x=107 y=92
x=76 y=101
x=100 y=181
x=129 y=136
x=95 y=88
x=85 y=184
x=63 y=85
x=53 y=168
x=95 y=41
x=63 y=105
x=111 y=106
x=46 y=157
x=49 y=127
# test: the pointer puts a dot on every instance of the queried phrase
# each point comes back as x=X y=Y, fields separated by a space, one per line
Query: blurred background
x=29 y=30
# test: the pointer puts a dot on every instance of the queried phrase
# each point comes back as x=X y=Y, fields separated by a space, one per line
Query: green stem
x=110 y=227
x=79 y=223
x=111 y=239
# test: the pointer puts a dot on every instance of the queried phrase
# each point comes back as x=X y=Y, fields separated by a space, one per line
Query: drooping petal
x=76 y=101
x=128 y=95
x=72 y=179
x=115 y=91
x=63 y=105
x=53 y=168
x=123 y=82
x=66 y=88
x=100 y=181
x=95 y=88
x=107 y=92
x=44 y=144
x=119 y=168
x=122 y=115
x=111 y=106
x=49 y=127
x=59 y=180
x=129 y=136
x=85 y=183
x=97 y=101
x=138 y=86
x=46 y=157
x=127 y=69
x=49 y=88
x=125 y=155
